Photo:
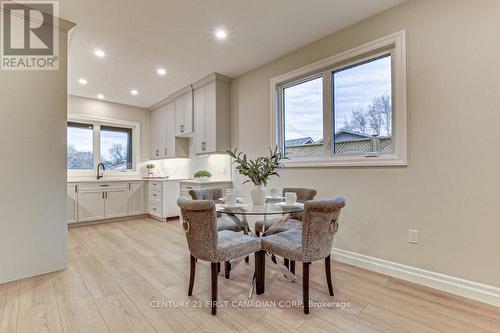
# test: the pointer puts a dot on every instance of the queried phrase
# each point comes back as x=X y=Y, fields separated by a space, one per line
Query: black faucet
x=103 y=169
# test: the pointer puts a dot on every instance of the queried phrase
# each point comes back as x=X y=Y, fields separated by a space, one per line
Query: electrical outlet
x=413 y=236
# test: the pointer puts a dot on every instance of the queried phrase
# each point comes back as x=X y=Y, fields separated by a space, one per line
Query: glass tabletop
x=270 y=208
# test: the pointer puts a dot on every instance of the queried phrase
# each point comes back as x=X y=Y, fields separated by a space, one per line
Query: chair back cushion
x=206 y=194
x=319 y=226
x=200 y=225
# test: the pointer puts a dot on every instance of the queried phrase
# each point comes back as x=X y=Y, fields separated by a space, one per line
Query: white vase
x=258 y=193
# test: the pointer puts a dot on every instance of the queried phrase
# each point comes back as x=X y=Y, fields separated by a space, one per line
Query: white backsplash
x=219 y=165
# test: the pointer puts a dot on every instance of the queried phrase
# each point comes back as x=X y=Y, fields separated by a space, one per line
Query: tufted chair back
x=199 y=222
x=206 y=194
x=320 y=224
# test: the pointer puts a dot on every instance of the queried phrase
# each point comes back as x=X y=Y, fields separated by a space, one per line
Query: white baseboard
x=473 y=290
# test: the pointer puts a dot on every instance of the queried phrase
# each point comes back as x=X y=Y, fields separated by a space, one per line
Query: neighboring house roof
x=298 y=142
x=349 y=136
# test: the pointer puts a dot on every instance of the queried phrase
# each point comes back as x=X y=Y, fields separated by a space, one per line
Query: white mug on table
x=290 y=198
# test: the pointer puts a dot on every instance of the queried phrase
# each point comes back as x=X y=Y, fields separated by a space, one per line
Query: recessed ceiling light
x=99 y=53
x=82 y=81
x=100 y=96
x=220 y=34
x=134 y=92
x=161 y=71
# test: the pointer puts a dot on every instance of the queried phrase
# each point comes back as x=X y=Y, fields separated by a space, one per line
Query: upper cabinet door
x=155 y=134
x=170 y=130
x=163 y=130
x=200 y=106
x=212 y=120
x=184 y=115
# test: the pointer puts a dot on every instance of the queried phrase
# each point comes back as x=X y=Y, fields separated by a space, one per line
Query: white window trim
x=97 y=122
x=399 y=156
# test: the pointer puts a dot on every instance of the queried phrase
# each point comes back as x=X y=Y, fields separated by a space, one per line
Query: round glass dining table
x=272 y=208
x=269 y=208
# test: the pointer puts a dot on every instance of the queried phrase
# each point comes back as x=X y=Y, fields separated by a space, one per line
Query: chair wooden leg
x=214 y=288
x=260 y=272
x=305 y=286
x=227 y=269
x=191 y=275
x=292 y=266
x=328 y=275
x=247 y=259
x=218 y=267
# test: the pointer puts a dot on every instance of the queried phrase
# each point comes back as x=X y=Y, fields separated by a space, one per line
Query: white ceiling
x=140 y=36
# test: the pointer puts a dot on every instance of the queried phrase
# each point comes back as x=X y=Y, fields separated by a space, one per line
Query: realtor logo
x=29 y=37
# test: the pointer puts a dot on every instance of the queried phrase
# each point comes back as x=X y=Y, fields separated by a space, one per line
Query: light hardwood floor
x=117 y=270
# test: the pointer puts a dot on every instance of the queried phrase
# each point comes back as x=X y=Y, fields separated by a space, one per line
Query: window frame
x=97 y=122
x=393 y=44
x=81 y=125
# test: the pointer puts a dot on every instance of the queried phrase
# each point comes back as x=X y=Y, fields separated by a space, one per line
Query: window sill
x=346 y=161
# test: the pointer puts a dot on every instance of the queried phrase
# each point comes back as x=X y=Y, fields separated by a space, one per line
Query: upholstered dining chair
x=303 y=195
x=215 y=194
x=199 y=221
x=223 y=222
x=310 y=243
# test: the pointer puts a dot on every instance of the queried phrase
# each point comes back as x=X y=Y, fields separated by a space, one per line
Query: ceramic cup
x=275 y=192
x=290 y=198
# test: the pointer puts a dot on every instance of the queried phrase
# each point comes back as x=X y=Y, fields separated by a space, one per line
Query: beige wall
x=96 y=108
x=33 y=229
x=450 y=192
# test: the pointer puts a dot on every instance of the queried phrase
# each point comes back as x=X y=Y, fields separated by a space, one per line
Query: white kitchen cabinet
x=116 y=202
x=177 y=147
x=90 y=204
x=184 y=115
x=136 y=198
x=72 y=203
x=212 y=122
x=156 y=130
x=105 y=200
x=164 y=143
x=162 y=199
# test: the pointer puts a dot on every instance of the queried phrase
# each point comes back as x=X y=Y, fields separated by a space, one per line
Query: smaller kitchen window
x=93 y=140
x=80 y=146
x=116 y=147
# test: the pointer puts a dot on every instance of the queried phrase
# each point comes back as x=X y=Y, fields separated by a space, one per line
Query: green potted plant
x=258 y=171
x=202 y=175
x=150 y=168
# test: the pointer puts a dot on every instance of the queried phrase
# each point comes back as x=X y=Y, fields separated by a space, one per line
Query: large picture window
x=362 y=107
x=92 y=141
x=349 y=109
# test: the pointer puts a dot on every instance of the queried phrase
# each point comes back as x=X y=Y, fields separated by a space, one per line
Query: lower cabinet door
x=116 y=203
x=90 y=206
x=71 y=203
x=136 y=198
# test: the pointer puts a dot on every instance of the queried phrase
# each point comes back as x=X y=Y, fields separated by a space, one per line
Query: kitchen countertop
x=210 y=181
x=137 y=178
